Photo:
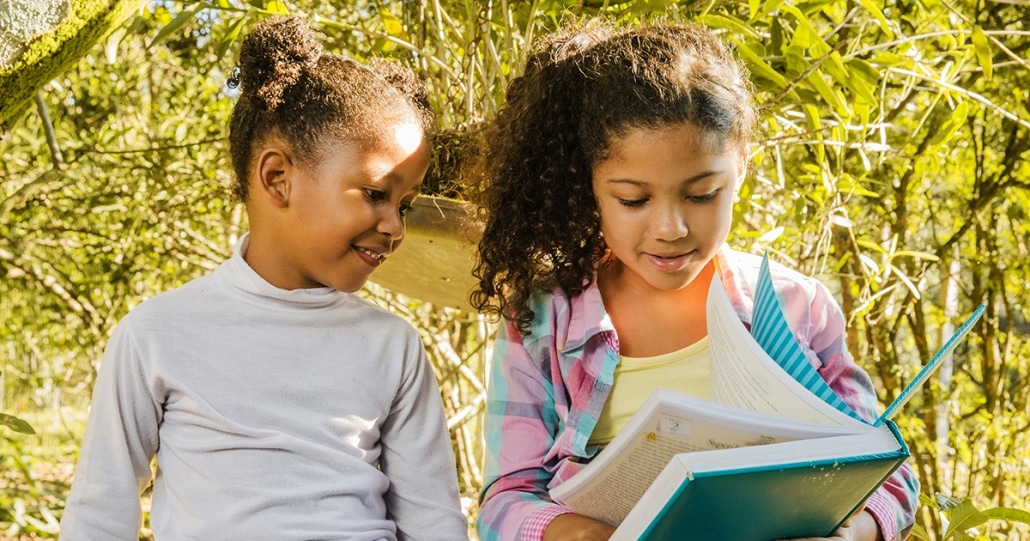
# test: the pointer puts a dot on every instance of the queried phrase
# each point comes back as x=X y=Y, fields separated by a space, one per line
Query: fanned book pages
x=776 y=455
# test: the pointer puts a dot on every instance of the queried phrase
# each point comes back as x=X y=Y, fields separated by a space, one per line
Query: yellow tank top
x=685 y=371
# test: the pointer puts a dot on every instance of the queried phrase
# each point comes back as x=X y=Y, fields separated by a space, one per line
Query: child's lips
x=669 y=262
x=373 y=258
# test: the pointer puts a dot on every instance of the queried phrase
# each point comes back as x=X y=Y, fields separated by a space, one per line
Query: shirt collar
x=587 y=318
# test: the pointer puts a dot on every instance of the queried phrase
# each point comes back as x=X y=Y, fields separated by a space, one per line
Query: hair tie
x=234 y=79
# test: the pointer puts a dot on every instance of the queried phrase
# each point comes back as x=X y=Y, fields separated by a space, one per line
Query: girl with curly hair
x=611 y=177
x=278 y=404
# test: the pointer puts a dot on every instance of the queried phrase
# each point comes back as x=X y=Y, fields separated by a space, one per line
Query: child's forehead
x=375 y=130
x=705 y=140
x=407 y=136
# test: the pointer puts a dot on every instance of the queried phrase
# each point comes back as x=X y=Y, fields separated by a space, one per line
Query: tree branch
x=48 y=128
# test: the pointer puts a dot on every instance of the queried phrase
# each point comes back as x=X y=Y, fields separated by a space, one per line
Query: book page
x=668 y=424
x=743 y=375
x=771 y=330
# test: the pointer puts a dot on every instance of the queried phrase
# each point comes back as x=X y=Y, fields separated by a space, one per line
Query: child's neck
x=650 y=321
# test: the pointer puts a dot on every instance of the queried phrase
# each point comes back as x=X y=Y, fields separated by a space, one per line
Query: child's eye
x=632 y=202
x=404 y=208
x=375 y=196
x=703 y=198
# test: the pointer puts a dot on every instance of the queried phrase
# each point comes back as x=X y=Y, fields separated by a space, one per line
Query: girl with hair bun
x=611 y=173
x=277 y=403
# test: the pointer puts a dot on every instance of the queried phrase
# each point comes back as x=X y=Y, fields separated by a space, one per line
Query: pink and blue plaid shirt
x=547 y=389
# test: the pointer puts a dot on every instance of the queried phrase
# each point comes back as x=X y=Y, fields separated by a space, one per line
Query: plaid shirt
x=547 y=389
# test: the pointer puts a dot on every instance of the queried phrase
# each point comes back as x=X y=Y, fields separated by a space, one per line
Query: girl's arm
x=120 y=441
x=418 y=459
x=571 y=527
x=520 y=428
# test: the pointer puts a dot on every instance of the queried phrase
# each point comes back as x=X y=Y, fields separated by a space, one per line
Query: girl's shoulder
x=740 y=272
x=567 y=320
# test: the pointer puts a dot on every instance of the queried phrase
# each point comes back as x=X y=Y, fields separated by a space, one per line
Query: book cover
x=793 y=489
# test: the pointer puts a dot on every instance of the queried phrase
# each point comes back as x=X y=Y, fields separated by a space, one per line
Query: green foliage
x=890 y=162
x=29 y=505
x=962 y=516
x=35 y=478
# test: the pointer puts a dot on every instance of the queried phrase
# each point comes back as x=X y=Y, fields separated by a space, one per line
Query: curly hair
x=291 y=88
x=583 y=89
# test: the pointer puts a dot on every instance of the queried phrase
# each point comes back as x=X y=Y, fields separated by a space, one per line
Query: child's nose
x=669 y=224
x=392 y=224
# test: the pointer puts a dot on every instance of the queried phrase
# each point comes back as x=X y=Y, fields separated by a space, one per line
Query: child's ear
x=273 y=176
x=743 y=159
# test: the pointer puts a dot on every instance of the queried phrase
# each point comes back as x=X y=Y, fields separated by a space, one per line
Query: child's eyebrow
x=690 y=180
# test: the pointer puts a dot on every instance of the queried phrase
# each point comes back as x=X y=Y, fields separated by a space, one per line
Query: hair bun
x=274 y=55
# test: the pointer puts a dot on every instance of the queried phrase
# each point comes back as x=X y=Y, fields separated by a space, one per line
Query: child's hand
x=570 y=527
x=860 y=527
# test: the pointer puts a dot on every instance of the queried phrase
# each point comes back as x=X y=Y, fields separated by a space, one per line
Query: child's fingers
x=855 y=514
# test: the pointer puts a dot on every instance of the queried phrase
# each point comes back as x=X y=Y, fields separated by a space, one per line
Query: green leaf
x=865 y=71
x=863 y=110
x=176 y=24
x=837 y=69
x=806 y=35
x=873 y=247
x=927 y=500
x=919 y=532
x=1009 y=514
x=961 y=516
x=828 y=93
x=875 y=10
x=391 y=24
x=16 y=424
x=277 y=7
x=759 y=67
x=796 y=59
x=982 y=48
x=892 y=59
x=915 y=255
x=775 y=40
x=847 y=184
x=229 y=37
x=952 y=125
x=732 y=24
x=767 y=8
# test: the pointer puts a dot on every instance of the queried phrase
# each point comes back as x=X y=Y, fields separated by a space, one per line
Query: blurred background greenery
x=891 y=162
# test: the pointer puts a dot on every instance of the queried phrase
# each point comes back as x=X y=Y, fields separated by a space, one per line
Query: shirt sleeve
x=893 y=504
x=418 y=459
x=520 y=428
x=120 y=440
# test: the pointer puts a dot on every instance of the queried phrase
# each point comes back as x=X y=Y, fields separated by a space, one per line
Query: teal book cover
x=758 y=501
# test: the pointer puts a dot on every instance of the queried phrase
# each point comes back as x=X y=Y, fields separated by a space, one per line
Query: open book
x=777 y=454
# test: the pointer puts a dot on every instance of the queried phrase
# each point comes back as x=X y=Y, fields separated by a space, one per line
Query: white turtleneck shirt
x=273 y=415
